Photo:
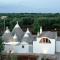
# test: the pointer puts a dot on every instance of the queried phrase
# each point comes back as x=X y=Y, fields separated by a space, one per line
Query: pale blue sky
x=38 y=6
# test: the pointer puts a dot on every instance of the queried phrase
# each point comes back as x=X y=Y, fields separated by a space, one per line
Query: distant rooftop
x=48 y=34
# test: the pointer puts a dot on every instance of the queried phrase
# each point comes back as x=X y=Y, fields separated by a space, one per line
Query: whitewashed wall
x=57 y=46
x=17 y=48
x=8 y=48
x=43 y=47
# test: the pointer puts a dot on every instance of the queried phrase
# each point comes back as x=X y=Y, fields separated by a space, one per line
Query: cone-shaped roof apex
x=17 y=25
x=27 y=30
x=28 y=37
x=26 y=33
x=7 y=30
x=15 y=36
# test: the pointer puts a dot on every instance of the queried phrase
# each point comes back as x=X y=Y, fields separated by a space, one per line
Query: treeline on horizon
x=49 y=21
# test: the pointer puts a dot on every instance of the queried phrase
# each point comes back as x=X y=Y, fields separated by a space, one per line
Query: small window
x=22 y=46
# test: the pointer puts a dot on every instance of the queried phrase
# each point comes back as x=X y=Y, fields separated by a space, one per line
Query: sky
x=29 y=6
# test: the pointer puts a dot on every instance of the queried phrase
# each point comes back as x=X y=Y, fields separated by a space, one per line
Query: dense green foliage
x=1 y=45
x=49 y=21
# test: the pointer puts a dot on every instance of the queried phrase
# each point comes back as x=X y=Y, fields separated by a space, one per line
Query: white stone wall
x=57 y=46
x=17 y=48
x=8 y=48
x=44 y=48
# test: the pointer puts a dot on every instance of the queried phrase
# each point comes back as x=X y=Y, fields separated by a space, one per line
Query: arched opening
x=45 y=40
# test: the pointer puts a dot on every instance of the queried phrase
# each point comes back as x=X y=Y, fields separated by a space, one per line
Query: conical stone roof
x=15 y=38
x=18 y=31
x=7 y=37
x=28 y=37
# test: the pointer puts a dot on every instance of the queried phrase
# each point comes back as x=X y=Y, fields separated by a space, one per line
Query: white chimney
x=40 y=29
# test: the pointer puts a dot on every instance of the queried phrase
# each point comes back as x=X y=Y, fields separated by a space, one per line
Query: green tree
x=1 y=47
x=36 y=25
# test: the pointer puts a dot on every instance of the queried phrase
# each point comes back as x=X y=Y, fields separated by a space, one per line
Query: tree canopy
x=1 y=45
x=49 y=21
